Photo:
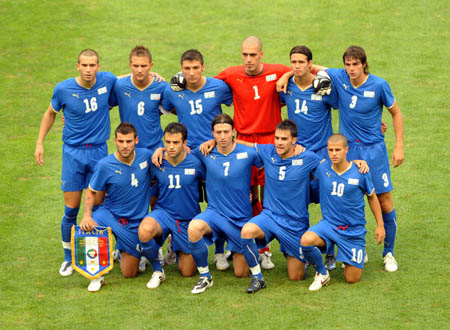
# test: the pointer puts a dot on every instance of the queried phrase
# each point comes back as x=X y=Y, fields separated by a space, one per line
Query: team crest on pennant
x=92 y=252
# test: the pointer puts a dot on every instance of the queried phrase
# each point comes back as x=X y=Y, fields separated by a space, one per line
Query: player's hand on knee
x=322 y=83
x=380 y=234
x=39 y=154
x=178 y=83
x=157 y=157
x=156 y=76
x=206 y=147
x=87 y=223
x=398 y=156
x=362 y=165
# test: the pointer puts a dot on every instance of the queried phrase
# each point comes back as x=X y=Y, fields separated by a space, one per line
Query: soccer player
x=257 y=108
x=178 y=183
x=342 y=190
x=285 y=214
x=196 y=106
x=85 y=102
x=228 y=171
x=123 y=178
x=139 y=96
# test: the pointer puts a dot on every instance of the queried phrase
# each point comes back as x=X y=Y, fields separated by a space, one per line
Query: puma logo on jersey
x=127 y=94
x=239 y=80
x=213 y=157
x=328 y=174
x=290 y=93
x=345 y=86
x=118 y=172
x=102 y=90
x=181 y=96
x=273 y=159
x=76 y=95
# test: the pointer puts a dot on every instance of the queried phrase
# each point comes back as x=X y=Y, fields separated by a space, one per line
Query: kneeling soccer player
x=178 y=184
x=342 y=190
x=123 y=177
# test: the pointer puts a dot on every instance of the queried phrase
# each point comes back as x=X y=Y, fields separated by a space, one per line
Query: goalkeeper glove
x=178 y=83
x=322 y=83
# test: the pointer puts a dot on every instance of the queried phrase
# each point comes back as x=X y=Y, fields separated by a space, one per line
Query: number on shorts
x=357 y=255
x=385 y=179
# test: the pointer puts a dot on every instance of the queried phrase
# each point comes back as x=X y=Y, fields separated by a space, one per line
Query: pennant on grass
x=92 y=252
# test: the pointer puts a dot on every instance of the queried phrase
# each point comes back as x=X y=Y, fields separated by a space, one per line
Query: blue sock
x=390 y=226
x=150 y=251
x=330 y=250
x=69 y=219
x=200 y=254
x=250 y=252
x=220 y=245
x=314 y=257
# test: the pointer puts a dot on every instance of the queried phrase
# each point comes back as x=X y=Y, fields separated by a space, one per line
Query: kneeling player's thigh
x=296 y=268
x=352 y=274
x=148 y=229
x=129 y=265
x=186 y=264
x=240 y=265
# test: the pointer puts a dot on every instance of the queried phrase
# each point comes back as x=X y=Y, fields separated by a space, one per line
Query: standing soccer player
x=196 y=106
x=361 y=97
x=139 y=97
x=342 y=190
x=123 y=178
x=85 y=102
x=178 y=183
x=257 y=108
x=228 y=172
x=285 y=214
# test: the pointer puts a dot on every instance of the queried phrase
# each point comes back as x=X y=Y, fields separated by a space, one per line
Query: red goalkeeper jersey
x=257 y=107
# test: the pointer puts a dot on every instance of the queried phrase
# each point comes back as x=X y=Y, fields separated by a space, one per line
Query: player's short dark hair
x=222 y=118
x=338 y=138
x=288 y=125
x=125 y=128
x=141 y=51
x=88 y=52
x=356 y=52
x=302 y=50
x=174 y=128
x=192 y=55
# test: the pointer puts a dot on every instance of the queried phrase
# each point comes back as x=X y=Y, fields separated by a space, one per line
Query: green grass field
x=407 y=44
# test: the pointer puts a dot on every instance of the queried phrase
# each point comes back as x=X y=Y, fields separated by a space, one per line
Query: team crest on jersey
x=76 y=95
x=128 y=94
x=189 y=171
x=102 y=90
x=316 y=97
x=370 y=94
x=118 y=172
x=297 y=162
x=181 y=96
x=155 y=97
x=143 y=165
x=353 y=181
x=209 y=95
x=242 y=155
x=271 y=77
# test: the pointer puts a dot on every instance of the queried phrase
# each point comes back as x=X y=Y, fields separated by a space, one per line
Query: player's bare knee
x=241 y=273
x=195 y=231
x=307 y=239
x=352 y=279
x=187 y=271
x=249 y=231
x=386 y=202
x=296 y=276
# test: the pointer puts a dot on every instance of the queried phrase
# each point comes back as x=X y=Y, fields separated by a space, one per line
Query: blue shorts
x=125 y=231
x=222 y=227
x=78 y=164
x=376 y=157
x=351 y=243
x=178 y=229
x=289 y=239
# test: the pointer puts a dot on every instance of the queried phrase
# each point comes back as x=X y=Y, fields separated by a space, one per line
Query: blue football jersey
x=228 y=181
x=86 y=111
x=127 y=187
x=141 y=108
x=342 y=195
x=286 y=190
x=360 y=109
x=311 y=113
x=179 y=187
x=196 y=110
